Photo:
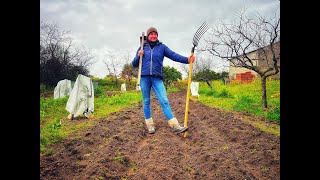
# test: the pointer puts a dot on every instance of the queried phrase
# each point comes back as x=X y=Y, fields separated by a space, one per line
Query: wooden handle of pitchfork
x=185 y=124
x=140 y=64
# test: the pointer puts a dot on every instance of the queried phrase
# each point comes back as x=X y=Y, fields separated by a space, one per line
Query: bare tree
x=126 y=57
x=234 y=43
x=185 y=68
x=82 y=57
x=202 y=62
x=59 y=57
x=128 y=71
x=113 y=64
x=52 y=38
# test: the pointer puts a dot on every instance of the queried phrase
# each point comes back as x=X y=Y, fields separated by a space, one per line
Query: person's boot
x=150 y=125
x=174 y=124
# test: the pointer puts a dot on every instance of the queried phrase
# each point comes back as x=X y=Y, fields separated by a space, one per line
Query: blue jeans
x=148 y=82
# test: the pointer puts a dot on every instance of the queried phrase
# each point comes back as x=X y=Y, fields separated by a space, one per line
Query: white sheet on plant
x=81 y=98
x=62 y=89
x=194 y=88
x=123 y=87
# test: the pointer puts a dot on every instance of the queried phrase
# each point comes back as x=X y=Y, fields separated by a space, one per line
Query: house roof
x=277 y=42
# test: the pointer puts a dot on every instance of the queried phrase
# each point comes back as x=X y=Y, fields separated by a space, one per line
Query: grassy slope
x=245 y=98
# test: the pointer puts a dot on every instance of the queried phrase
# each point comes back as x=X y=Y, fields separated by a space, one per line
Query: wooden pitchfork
x=203 y=28
x=138 y=88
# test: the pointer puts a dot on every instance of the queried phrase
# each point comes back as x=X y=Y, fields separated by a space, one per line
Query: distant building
x=258 y=59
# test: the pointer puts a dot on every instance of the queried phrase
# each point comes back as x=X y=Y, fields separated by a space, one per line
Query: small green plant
x=134 y=166
x=107 y=141
x=140 y=125
x=48 y=152
x=56 y=125
x=100 y=178
x=118 y=157
x=188 y=168
x=153 y=140
x=172 y=89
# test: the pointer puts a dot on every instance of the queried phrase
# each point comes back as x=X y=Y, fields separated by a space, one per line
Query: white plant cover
x=81 y=98
x=123 y=87
x=194 y=88
x=62 y=89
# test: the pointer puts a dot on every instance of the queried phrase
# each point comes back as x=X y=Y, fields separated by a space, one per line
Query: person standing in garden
x=153 y=53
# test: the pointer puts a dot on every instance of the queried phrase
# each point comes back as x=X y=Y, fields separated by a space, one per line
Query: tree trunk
x=264 y=92
x=209 y=85
x=116 y=80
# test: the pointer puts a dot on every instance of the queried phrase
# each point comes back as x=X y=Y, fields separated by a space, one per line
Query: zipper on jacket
x=151 y=59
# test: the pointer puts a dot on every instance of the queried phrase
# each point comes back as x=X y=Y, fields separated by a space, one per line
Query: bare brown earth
x=218 y=146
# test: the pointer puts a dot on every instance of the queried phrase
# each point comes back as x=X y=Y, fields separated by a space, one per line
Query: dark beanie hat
x=151 y=29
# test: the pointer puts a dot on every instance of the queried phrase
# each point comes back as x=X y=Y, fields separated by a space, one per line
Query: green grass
x=105 y=105
x=172 y=89
x=243 y=98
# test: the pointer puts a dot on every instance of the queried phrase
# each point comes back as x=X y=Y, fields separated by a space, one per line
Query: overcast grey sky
x=116 y=25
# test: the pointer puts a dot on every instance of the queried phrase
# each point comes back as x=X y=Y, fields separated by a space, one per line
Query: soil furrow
x=218 y=146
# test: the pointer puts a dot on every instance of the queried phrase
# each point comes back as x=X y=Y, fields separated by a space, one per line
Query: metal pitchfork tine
x=203 y=28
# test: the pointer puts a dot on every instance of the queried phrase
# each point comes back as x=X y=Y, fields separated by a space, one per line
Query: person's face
x=153 y=36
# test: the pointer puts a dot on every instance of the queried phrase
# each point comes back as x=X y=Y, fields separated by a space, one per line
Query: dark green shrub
x=224 y=94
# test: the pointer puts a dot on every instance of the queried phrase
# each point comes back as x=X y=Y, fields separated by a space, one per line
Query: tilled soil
x=218 y=146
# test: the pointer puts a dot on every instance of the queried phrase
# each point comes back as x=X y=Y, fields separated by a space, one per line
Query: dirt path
x=218 y=146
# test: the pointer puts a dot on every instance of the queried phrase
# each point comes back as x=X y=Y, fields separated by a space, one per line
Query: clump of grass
x=188 y=168
x=247 y=104
x=51 y=108
x=50 y=134
x=121 y=159
x=153 y=140
x=210 y=93
x=99 y=178
x=99 y=91
x=224 y=94
x=274 y=115
x=225 y=147
x=118 y=157
x=134 y=166
x=172 y=89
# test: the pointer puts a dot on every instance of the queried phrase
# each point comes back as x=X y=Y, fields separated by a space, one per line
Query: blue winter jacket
x=152 y=59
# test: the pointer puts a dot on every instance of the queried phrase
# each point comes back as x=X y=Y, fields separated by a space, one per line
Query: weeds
x=243 y=98
x=188 y=168
x=134 y=166
x=118 y=157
